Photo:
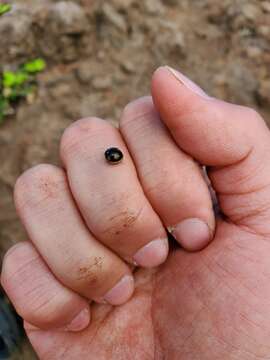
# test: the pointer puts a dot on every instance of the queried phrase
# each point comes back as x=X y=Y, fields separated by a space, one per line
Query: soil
x=101 y=55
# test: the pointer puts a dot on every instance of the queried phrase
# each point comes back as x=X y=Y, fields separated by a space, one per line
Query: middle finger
x=110 y=197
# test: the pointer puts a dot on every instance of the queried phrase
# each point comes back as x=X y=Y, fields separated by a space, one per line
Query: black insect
x=113 y=155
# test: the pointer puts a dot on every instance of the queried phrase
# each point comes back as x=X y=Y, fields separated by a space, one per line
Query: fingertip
x=159 y=74
x=167 y=73
x=193 y=234
x=170 y=96
x=80 y=321
x=152 y=254
x=121 y=292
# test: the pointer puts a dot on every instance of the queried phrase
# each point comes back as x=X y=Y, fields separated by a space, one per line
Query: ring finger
x=54 y=225
x=172 y=180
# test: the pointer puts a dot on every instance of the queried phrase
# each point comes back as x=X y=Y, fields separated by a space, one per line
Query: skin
x=208 y=299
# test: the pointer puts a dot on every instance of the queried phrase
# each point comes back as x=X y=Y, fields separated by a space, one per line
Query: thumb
x=232 y=140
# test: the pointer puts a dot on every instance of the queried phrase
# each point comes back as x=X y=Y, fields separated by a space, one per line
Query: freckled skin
x=49 y=187
x=213 y=304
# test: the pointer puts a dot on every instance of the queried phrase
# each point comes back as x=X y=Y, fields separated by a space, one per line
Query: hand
x=84 y=220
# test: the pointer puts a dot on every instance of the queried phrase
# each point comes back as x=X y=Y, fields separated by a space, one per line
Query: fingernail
x=80 y=322
x=100 y=300
x=121 y=292
x=152 y=254
x=192 y=234
x=188 y=83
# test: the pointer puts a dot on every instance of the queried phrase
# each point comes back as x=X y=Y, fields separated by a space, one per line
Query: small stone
x=220 y=79
x=85 y=73
x=178 y=41
x=119 y=79
x=211 y=32
x=101 y=55
x=17 y=38
x=265 y=6
x=102 y=83
x=253 y=52
x=153 y=7
x=251 y=12
x=31 y=98
x=242 y=82
x=171 y=2
x=114 y=17
x=168 y=25
x=245 y=32
x=128 y=67
x=122 y=5
x=264 y=30
x=170 y=42
x=67 y=17
x=60 y=91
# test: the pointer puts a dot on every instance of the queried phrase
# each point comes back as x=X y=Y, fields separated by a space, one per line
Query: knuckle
x=136 y=109
x=38 y=183
x=90 y=273
x=40 y=315
x=253 y=115
x=123 y=221
x=76 y=134
x=159 y=187
x=159 y=179
x=10 y=260
x=46 y=311
x=15 y=263
x=35 y=174
x=93 y=277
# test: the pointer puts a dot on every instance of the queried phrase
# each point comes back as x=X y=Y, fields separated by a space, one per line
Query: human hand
x=211 y=304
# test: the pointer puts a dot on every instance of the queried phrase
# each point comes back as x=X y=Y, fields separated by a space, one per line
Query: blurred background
x=93 y=57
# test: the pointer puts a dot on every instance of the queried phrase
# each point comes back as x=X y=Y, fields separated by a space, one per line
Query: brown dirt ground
x=101 y=54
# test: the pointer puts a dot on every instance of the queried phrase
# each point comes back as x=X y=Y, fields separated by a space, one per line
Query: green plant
x=4 y=8
x=35 y=66
x=3 y=107
x=19 y=84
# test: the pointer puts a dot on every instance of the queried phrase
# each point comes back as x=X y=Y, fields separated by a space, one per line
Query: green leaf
x=9 y=79
x=13 y=79
x=35 y=66
x=21 y=78
x=4 y=8
x=3 y=108
x=16 y=85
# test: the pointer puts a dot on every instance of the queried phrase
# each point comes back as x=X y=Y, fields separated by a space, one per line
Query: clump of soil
x=101 y=54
